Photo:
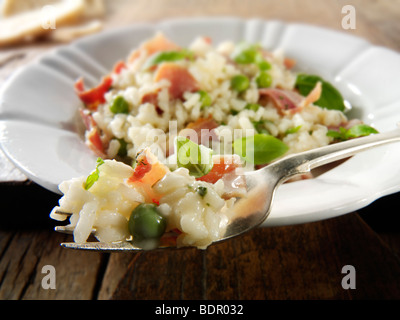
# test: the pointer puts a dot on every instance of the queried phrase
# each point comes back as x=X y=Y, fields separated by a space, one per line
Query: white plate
x=39 y=129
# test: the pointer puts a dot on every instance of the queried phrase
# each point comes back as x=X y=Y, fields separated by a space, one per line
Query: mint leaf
x=260 y=148
x=167 y=56
x=196 y=158
x=356 y=131
x=330 y=98
x=338 y=135
x=360 y=130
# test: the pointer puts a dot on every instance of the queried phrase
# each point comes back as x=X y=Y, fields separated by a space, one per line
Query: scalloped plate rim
x=279 y=215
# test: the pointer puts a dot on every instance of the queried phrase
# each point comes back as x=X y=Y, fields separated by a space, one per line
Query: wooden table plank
x=29 y=251
x=293 y=262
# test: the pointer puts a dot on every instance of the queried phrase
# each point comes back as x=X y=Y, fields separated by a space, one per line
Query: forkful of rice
x=206 y=200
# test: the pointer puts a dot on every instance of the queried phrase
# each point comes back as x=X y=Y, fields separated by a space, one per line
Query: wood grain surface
x=281 y=263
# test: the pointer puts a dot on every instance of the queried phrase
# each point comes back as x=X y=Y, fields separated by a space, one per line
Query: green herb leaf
x=94 y=176
x=260 y=148
x=330 y=98
x=167 y=56
x=292 y=130
x=356 y=131
x=196 y=158
x=361 y=130
x=202 y=191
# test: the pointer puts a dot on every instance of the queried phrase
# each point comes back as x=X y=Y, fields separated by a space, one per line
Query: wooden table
x=292 y=262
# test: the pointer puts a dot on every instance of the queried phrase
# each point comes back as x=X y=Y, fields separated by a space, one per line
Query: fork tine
x=102 y=246
x=68 y=229
x=58 y=211
x=116 y=246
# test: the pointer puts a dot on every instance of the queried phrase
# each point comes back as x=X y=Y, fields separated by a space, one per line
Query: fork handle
x=303 y=162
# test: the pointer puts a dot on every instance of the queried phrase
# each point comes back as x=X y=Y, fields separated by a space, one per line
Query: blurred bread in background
x=55 y=20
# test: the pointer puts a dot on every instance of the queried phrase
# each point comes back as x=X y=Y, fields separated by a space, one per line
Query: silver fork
x=250 y=212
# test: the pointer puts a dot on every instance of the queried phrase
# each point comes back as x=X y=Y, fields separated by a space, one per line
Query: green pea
x=252 y=106
x=262 y=64
x=205 y=99
x=119 y=105
x=240 y=83
x=146 y=222
x=245 y=53
x=264 y=80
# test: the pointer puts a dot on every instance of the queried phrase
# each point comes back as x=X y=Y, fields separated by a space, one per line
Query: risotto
x=175 y=128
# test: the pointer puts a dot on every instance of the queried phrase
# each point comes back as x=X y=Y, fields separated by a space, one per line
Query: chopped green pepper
x=205 y=99
x=94 y=176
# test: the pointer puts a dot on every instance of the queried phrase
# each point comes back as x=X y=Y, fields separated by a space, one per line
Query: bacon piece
x=94 y=142
x=180 y=78
x=346 y=124
x=289 y=63
x=203 y=123
x=93 y=137
x=158 y=43
x=229 y=169
x=119 y=66
x=314 y=95
x=152 y=97
x=180 y=81
x=289 y=101
x=95 y=96
x=285 y=101
x=201 y=131
x=87 y=118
